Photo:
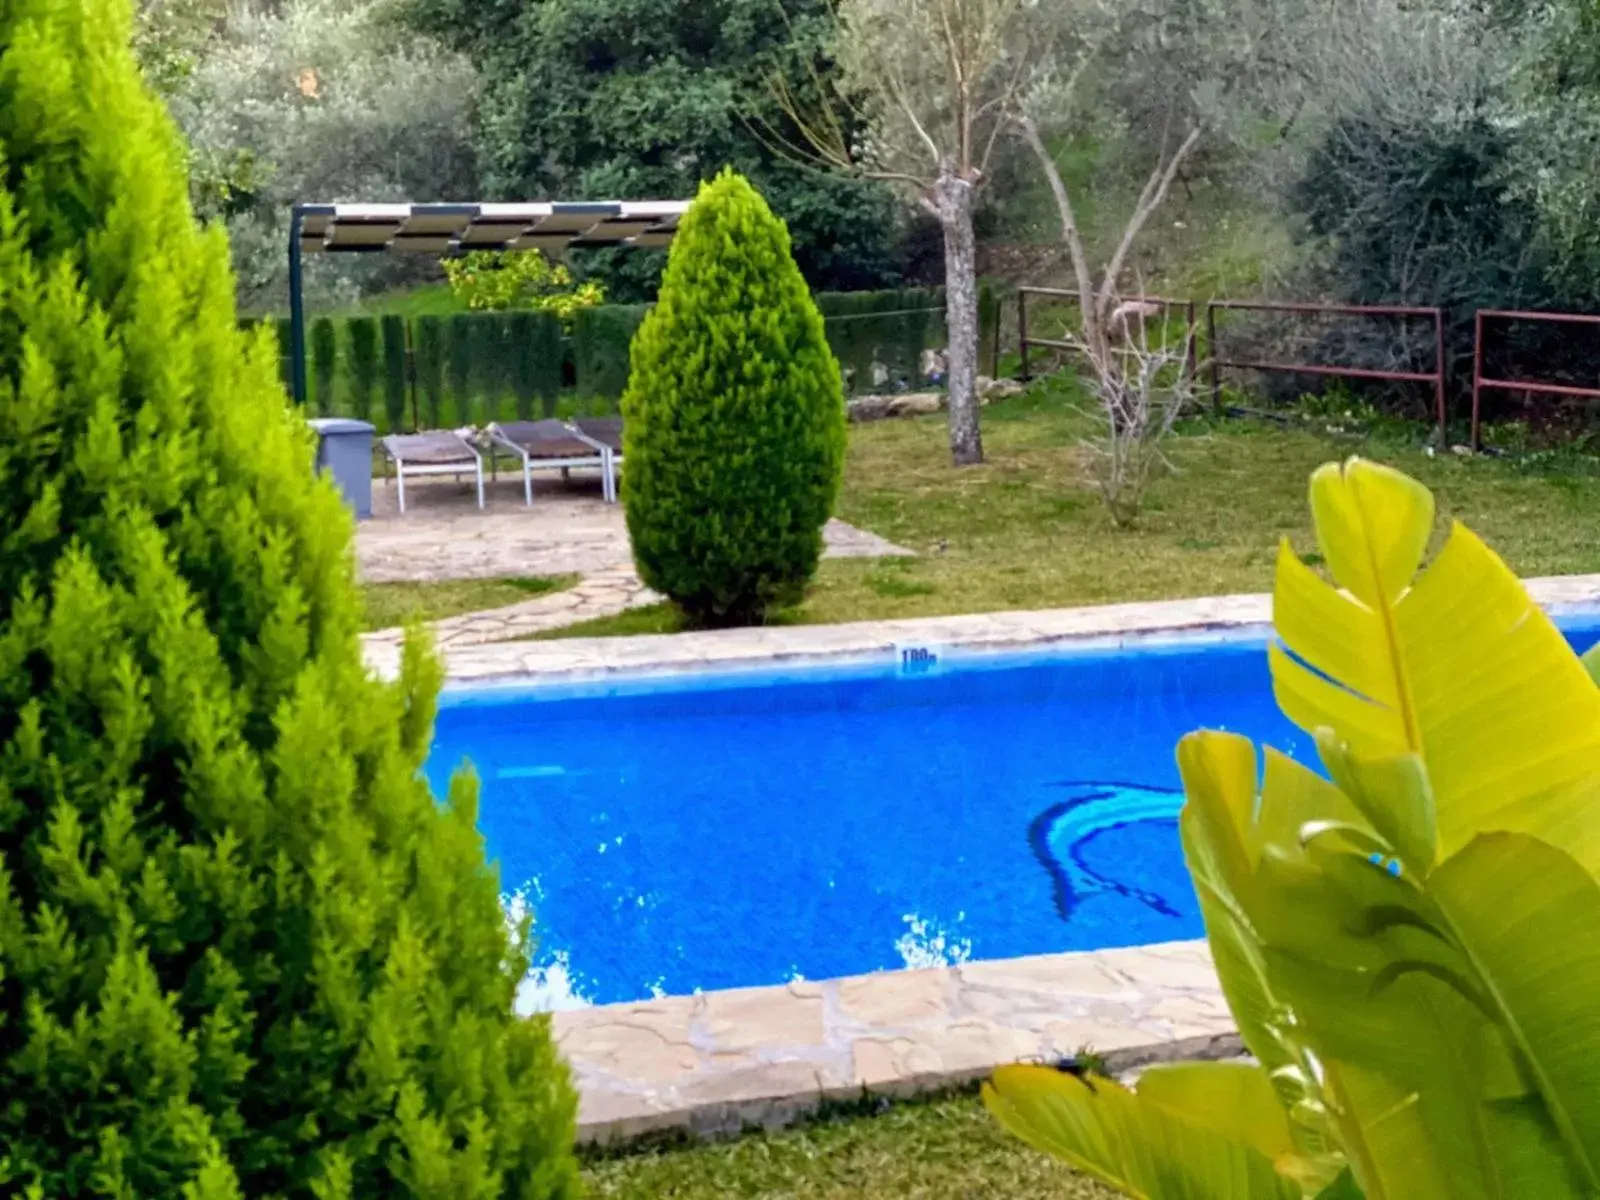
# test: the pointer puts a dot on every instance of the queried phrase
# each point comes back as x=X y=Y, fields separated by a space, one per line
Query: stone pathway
x=602 y=594
x=720 y=1061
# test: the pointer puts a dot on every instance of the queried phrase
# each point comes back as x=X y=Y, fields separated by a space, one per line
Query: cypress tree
x=430 y=370
x=243 y=950
x=393 y=329
x=459 y=371
x=362 y=333
x=734 y=417
x=324 y=364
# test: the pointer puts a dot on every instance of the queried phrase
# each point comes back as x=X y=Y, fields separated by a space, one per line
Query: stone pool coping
x=513 y=663
x=721 y=1061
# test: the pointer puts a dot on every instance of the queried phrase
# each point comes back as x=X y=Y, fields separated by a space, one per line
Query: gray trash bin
x=344 y=450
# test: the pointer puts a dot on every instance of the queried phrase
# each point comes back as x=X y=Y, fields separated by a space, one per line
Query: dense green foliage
x=488 y=281
x=243 y=950
x=734 y=435
x=643 y=99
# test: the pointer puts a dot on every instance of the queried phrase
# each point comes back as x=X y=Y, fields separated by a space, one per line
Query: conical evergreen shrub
x=243 y=951
x=734 y=428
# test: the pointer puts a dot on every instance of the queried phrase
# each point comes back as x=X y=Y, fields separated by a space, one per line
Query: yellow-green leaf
x=1457 y=667
x=1142 y=1148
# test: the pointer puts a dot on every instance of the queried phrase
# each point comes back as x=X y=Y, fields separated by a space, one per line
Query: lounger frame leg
x=527 y=480
x=480 y=483
x=400 y=484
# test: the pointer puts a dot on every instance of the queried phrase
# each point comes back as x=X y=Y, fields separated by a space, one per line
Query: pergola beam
x=445 y=230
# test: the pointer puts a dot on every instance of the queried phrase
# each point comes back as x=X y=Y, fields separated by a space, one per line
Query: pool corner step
x=719 y=1062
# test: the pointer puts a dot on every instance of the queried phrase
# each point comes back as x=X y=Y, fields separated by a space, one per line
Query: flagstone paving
x=568 y=530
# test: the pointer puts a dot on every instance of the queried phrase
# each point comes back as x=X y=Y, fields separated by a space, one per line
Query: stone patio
x=568 y=530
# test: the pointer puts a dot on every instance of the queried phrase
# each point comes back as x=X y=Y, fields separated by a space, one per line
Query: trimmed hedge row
x=475 y=367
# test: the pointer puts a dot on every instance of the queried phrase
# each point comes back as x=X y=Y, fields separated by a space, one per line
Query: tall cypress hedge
x=600 y=340
x=734 y=426
x=535 y=348
x=244 y=952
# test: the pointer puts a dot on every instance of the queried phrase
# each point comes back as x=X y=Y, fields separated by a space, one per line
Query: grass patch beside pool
x=390 y=604
x=944 y=1149
x=1026 y=530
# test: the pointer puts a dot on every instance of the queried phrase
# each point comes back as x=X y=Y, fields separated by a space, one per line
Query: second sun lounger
x=548 y=444
x=438 y=452
x=606 y=434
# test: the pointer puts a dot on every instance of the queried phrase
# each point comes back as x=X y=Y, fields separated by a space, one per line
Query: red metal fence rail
x=1435 y=377
x=1481 y=381
x=1024 y=341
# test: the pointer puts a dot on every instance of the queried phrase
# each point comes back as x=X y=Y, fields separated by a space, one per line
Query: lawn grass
x=1026 y=530
x=390 y=604
x=942 y=1149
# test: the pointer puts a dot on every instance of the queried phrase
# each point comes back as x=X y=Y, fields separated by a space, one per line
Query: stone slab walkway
x=601 y=594
x=721 y=1061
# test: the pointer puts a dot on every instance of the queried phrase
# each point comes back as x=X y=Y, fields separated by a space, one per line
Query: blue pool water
x=699 y=832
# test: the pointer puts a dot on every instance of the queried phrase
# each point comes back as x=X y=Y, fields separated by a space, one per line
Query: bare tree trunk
x=952 y=204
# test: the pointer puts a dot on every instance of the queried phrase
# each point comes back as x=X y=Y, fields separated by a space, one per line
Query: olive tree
x=935 y=85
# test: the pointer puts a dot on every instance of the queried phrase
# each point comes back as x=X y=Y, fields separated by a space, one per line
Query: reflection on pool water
x=691 y=832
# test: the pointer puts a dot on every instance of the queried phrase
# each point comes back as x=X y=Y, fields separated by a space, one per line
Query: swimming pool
x=691 y=832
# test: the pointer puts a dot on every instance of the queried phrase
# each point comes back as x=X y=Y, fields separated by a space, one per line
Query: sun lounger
x=439 y=452
x=606 y=433
x=546 y=445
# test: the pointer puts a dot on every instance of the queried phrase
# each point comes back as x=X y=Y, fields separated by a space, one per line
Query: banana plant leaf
x=1455 y=665
x=1214 y=1133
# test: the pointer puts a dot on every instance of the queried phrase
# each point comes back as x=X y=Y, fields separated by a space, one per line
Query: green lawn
x=389 y=604
x=945 y=1149
x=1027 y=530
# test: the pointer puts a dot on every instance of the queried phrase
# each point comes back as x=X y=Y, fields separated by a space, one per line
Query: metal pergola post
x=297 y=307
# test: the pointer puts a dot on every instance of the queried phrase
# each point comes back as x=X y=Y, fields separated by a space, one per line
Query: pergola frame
x=445 y=230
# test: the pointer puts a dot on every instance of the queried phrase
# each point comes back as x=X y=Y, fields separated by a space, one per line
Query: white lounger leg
x=480 y=483
x=527 y=480
x=400 y=483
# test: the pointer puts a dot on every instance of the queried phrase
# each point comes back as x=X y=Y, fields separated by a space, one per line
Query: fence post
x=1477 y=378
x=1193 y=364
x=1439 y=361
x=1022 y=332
x=297 y=309
x=1211 y=349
